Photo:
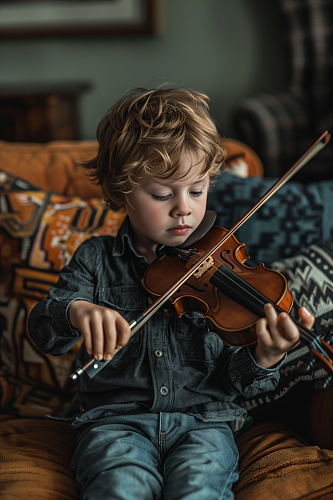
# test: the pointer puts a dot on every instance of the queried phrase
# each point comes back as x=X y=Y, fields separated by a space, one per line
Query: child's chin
x=178 y=239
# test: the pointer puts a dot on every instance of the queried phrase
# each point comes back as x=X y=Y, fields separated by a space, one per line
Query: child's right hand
x=99 y=326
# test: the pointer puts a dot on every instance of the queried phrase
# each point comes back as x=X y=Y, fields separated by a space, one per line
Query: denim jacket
x=170 y=364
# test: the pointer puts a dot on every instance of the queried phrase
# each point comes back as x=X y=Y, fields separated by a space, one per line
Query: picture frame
x=77 y=18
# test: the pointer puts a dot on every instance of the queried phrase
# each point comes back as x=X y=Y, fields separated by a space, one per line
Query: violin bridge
x=209 y=262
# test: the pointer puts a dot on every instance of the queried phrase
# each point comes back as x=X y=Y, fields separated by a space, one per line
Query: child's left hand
x=277 y=334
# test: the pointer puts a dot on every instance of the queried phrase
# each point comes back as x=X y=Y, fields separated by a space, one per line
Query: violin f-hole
x=226 y=260
x=195 y=288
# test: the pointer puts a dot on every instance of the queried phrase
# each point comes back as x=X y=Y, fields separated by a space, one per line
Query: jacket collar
x=124 y=237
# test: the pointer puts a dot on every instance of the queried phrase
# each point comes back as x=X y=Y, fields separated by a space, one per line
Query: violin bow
x=93 y=366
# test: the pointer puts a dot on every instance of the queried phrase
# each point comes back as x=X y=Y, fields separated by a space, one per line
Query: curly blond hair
x=146 y=133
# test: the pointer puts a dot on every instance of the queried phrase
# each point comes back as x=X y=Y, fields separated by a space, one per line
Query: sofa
x=47 y=208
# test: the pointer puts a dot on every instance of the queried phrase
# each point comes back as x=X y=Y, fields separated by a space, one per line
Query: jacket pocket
x=129 y=301
x=197 y=345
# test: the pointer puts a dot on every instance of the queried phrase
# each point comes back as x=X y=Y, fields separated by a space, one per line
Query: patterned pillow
x=310 y=279
x=294 y=218
x=39 y=232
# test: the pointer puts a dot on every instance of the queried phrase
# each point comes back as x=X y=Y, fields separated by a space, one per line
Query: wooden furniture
x=40 y=112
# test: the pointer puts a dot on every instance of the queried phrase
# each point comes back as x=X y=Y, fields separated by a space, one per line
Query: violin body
x=211 y=289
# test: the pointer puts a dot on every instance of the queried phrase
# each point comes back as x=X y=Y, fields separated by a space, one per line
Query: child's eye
x=196 y=193
x=161 y=198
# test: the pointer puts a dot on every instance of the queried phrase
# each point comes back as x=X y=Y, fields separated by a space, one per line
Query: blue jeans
x=149 y=456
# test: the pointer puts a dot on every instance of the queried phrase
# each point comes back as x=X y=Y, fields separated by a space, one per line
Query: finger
x=110 y=337
x=97 y=333
x=263 y=333
x=124 y=332
x=288 y=328
x=86 y=334
x=307 y=319
x=272 y=320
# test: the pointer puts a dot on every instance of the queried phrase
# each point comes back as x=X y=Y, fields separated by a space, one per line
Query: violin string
x=309 y=336
x=311 y=339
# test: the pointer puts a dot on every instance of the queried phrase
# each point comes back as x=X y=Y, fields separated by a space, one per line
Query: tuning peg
x=307 y=366
x=322 y=383
x=329 y=338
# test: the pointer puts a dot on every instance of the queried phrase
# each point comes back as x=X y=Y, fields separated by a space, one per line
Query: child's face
x=167 y=211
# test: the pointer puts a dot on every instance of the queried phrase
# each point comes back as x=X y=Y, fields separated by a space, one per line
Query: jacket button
x=158 y=353
x=164 y=391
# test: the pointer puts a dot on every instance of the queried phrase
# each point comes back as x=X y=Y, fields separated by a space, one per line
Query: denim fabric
x=196 y=373
x=141 y=456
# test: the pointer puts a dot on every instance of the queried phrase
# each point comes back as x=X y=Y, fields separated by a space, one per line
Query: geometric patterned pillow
x=310 y=279
x=297 y=216
x=39 y=232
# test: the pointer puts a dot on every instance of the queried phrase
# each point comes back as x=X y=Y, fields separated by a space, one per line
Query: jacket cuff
x=248 y=377
x=61 y=320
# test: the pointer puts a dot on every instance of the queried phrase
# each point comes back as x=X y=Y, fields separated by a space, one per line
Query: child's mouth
x=179 y=229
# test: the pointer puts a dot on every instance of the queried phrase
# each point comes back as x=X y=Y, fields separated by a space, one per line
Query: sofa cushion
x=277 y=464
x=310 y=279
x=291 y=220
x=35 y=459
x=39 y=232
x=295 y=218
x=52 y=166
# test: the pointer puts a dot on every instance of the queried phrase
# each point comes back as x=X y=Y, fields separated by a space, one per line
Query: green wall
x=228 y=49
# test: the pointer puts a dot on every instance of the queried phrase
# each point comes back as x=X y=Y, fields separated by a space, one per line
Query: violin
x=229 y=294
x=208 y=274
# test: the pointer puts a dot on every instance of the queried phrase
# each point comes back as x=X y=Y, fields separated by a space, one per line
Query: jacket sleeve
x=48 y=324
x=242 y=376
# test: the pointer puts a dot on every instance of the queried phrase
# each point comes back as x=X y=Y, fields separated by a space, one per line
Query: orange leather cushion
x=276 y=464
x=51 y=166
x=35 y=459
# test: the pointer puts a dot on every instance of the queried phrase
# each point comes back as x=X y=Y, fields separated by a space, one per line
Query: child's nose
x=181 y=209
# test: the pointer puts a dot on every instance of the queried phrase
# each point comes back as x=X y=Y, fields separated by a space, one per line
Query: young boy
x=156 y=421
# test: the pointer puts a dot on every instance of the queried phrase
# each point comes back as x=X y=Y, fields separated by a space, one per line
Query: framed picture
x=62 y=18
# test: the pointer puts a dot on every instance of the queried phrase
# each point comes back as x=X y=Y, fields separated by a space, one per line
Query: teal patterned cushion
x=296 y=216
